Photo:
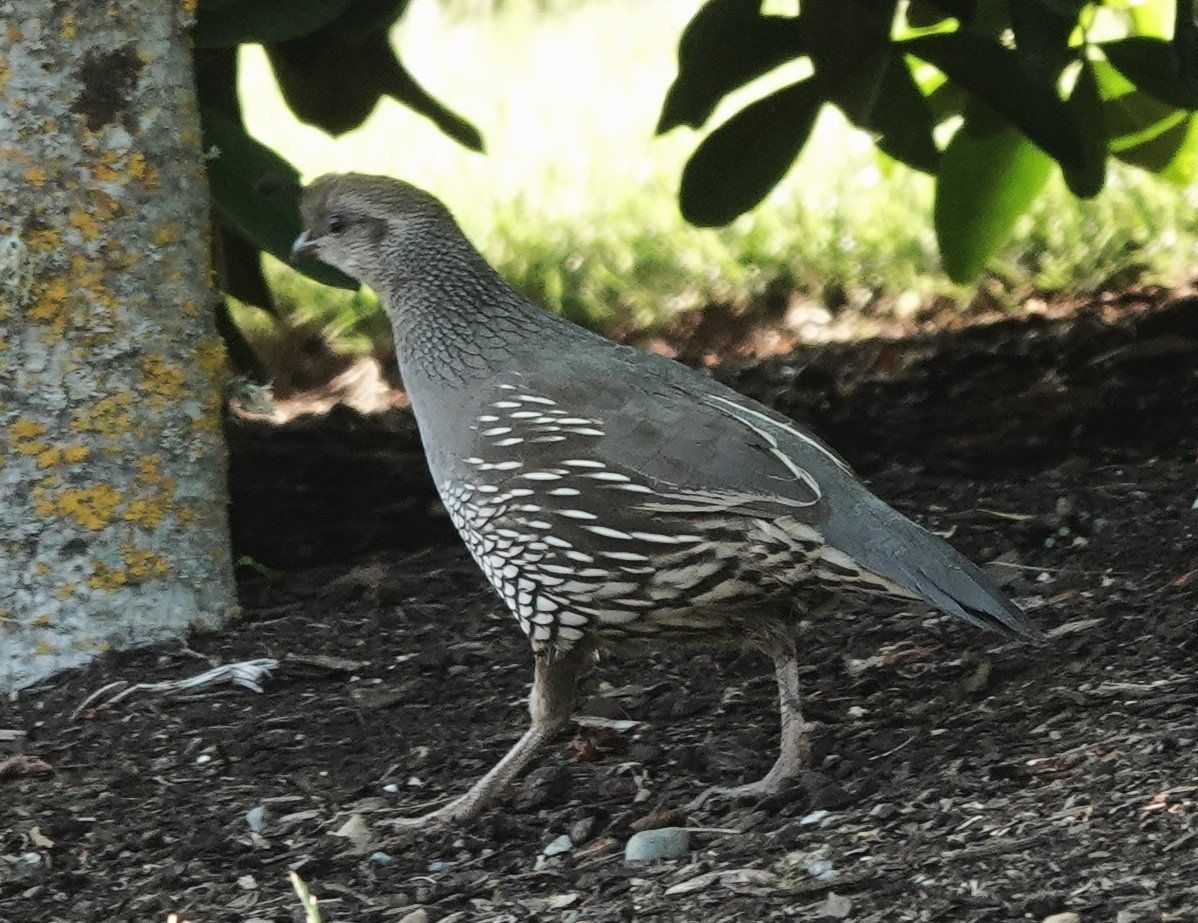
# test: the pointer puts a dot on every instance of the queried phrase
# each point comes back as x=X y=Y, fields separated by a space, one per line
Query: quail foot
x=614 y=498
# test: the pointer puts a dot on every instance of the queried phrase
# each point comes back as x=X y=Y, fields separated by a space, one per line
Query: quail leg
x=550 y=705
x=793 y=750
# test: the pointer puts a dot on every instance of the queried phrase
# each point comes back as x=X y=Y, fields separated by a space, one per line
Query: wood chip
x=12 y=740
x=727 y=878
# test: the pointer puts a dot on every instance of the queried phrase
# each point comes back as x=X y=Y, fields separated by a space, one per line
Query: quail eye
x=336 y=224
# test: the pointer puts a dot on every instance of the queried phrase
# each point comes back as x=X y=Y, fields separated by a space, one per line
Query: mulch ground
x=955 y=778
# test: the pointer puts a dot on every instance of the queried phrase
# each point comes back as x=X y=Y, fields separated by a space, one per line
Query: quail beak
x=305 y=245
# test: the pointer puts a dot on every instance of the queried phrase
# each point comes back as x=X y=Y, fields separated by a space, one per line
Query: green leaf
x=993 y=74
x=904 y=120
x=1151 y=64
x=924 y=13
x=1132 y=116
x=945 y=100
x=399 y=83
x=726 y=45
x=208 y=6
x=267 y=573
x=334 y=82
x=1086 y=107
x=1137 y=117
x=271 y=222
x=1165 y=152
x=1153 y=18
x=362 y=20
x=1182 y=170
x=989 y=175
x=736 y=166
x=1042 y=36
x=261 y=21
x=893 y=109
x=1068 y=9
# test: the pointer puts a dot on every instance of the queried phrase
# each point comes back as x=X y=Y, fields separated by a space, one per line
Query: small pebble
x=813 y=818
x=663 y=843
x=822 y=870
x=419 y=915
x=380 y=858
x=1063 y=918
x=255 y=818
x=562 y=844
x=582 y=829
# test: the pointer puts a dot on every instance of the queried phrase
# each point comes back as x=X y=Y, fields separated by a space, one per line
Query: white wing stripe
x=786 y=460
x=738 y=409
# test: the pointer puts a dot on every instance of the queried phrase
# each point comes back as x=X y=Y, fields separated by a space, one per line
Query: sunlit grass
x=575 y=200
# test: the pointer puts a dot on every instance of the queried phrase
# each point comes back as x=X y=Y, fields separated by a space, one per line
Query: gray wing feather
x=685 y=432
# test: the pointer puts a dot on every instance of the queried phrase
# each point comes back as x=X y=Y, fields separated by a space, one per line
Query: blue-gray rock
x=664 y=843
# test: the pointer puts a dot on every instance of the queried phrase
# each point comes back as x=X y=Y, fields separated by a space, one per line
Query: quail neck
x=455 y=319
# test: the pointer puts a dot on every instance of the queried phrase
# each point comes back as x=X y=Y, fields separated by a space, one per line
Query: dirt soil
x=955 y=777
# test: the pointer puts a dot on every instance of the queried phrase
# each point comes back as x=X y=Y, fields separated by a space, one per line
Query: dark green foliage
x=743 y=159
x=1030 y=86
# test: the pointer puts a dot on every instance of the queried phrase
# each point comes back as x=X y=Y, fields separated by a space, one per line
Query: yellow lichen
x=85 y=223
x=166 y=236
x=106 y=169
x=25 y=428
x=33 y=447
x=90 y=507
x=103 y=205
x=50 y=304
x=109 y=416
x=44 y=240
x=163 y=383
x=137 y=168
x=106 y=578
x=76 y=453
x=36 y=176
x=23 y=436
x=43 y=649
x=143 y=565
x=49 y=457
x=211 y=356
x=147 y=512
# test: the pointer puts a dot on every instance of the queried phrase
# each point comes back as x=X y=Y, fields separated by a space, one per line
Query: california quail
x=609 y=495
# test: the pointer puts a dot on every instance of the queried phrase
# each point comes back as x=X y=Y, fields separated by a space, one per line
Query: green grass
x=575 y=201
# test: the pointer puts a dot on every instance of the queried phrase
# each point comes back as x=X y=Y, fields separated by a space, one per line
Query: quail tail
x=888 y=543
